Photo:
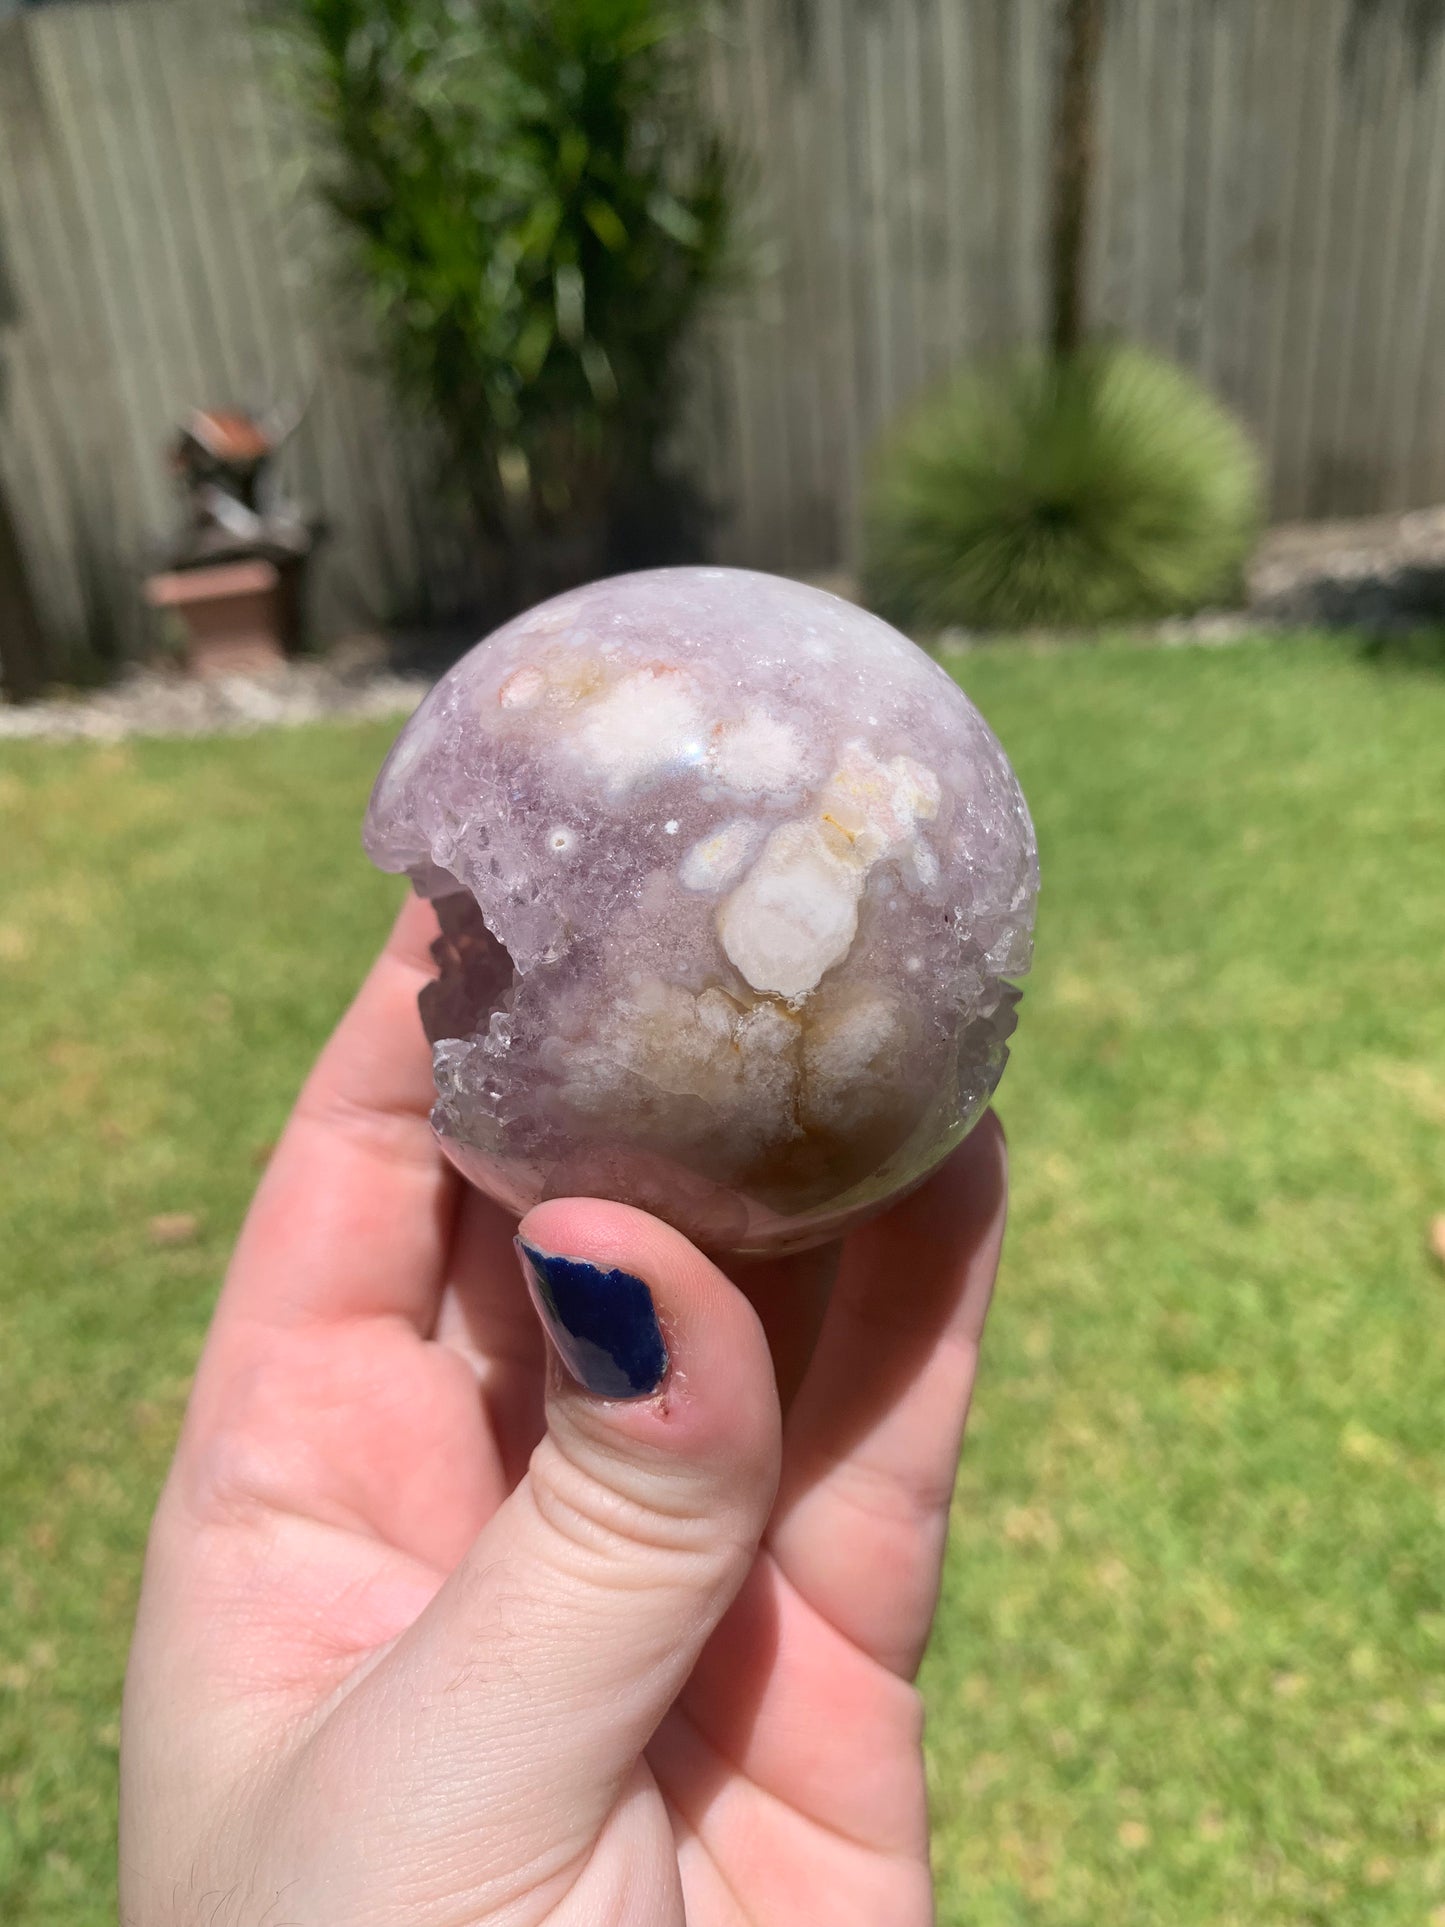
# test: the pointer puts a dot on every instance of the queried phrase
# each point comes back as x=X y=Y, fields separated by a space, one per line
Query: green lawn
x=1189 y=1667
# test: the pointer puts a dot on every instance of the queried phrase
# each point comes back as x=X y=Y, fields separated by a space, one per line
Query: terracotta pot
x=233 y=615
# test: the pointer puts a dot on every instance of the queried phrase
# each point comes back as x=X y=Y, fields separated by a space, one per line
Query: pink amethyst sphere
x=732 y=881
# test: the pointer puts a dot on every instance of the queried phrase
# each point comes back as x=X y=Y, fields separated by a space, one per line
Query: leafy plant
x=1108 y=486
x=534 y=208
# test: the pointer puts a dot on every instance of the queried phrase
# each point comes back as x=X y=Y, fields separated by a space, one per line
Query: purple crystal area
x=733 y=881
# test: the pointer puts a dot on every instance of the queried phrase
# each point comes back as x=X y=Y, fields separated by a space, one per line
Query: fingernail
x=602 y=1322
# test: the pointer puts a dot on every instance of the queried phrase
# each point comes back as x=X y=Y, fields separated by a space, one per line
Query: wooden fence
x=159 y=256
x=1270 y=212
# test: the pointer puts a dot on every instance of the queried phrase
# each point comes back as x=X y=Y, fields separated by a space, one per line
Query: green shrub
x=534 y=207
x=1106 y=488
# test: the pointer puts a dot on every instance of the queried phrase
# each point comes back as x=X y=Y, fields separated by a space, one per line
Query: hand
x=432 y=1636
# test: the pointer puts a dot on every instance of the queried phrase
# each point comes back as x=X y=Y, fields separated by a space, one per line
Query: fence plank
x=68 y=433
x=1380 y=316
x=1420 y=435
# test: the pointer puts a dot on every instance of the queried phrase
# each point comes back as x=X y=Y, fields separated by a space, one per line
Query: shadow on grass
x=1414 y=651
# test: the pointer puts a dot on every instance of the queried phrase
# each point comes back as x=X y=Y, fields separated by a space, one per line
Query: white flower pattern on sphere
x=733 y=883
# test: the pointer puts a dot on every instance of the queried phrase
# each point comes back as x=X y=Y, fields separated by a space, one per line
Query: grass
x=1189 y=1665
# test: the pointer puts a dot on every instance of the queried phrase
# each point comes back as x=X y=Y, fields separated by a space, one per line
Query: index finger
x=871 y=1445
x=353 y=1218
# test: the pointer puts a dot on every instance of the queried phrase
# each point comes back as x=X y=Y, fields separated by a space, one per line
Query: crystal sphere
x=732 y=882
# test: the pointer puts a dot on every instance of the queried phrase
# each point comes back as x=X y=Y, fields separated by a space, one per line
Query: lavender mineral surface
x=732 y=882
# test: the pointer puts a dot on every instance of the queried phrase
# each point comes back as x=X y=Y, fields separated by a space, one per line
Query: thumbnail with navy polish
x=602 y=1322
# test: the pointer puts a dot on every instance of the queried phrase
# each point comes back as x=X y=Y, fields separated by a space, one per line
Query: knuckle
x=914 y=1506
x=619 y=1526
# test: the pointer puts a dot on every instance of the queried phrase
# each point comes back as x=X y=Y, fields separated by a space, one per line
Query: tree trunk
x=23 y=667
x=1073 y=174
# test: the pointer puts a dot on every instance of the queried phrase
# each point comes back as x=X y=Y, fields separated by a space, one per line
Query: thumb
x=543 y=1666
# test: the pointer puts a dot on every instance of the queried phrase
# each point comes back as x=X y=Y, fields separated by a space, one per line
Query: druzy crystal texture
x=733 y=881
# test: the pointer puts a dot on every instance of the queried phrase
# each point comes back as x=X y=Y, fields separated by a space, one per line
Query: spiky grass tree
x=1076 y=484
x=1106 y=488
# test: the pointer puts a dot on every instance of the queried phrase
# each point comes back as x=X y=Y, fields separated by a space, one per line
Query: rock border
x=148 y=702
